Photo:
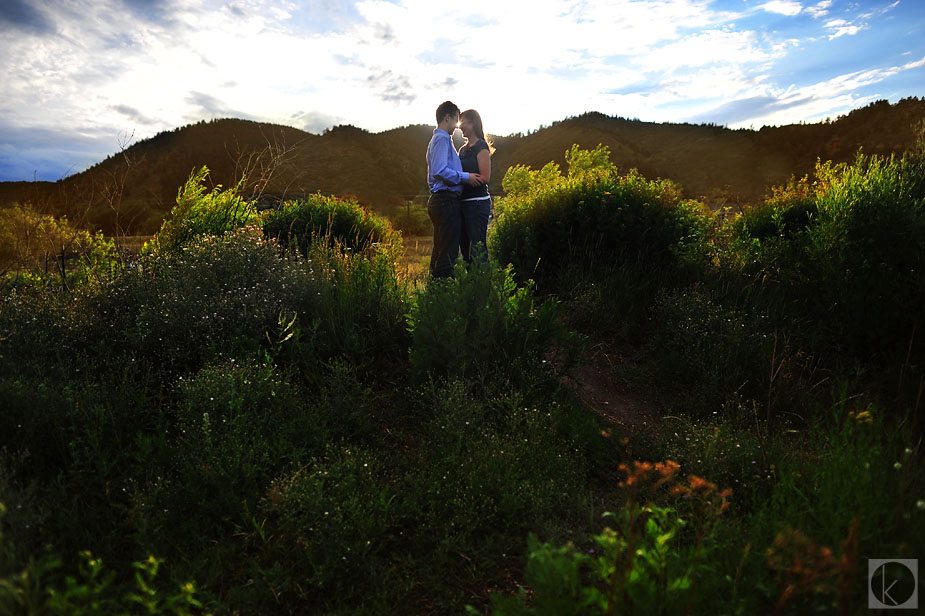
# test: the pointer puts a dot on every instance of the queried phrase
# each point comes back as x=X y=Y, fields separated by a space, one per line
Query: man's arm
x=438 y=160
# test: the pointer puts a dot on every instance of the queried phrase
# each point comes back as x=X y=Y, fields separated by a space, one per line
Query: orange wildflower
x=699 y=483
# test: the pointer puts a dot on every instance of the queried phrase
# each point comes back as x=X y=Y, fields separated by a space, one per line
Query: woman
x=475 y=156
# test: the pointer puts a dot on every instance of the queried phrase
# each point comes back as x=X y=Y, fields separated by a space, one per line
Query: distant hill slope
x=132 y=191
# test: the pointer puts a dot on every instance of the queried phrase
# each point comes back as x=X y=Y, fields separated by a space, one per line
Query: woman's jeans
x=474 y=231
x=443 y=209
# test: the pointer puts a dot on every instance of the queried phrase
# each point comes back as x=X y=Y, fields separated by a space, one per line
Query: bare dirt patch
x=597 y=383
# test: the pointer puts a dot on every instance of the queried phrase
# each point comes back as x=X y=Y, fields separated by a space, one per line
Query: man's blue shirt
x=444 y=171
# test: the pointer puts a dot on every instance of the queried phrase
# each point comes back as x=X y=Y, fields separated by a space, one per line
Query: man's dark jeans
x=475 y=216
x=443 y=209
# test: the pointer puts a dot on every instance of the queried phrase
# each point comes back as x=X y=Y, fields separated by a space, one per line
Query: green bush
x=200 y=213
x=40 y=589
x=43 y=251
x=178 y=309
x=477 y=321
x=412 y=220
x=352 y=307
x=843 y=255
x=224 y=297
x=237 y=424
x=594 y=218
x=493 y=471
x=340 y=222
x=852 y=453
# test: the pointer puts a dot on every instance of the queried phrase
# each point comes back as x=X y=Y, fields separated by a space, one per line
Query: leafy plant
x=593 y=217
x=647 y=563
x=476 y=321
x=41 y=250
x=338 y=222
x=200 y=212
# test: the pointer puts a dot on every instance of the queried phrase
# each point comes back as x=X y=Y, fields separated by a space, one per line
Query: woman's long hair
x=473 y=116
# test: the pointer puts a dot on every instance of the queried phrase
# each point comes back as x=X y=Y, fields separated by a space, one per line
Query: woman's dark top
x=469 y=157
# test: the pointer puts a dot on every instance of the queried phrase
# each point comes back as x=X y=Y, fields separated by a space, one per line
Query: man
x=445 y=178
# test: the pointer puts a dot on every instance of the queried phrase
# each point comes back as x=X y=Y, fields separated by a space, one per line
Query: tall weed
x=200 y=212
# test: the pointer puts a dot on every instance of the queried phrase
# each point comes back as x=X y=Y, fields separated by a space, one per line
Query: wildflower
x=699 y=483
x=667 y=468
x=898 y=465
x=920 y=504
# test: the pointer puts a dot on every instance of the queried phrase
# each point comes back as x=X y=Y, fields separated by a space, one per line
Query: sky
x=82 y=79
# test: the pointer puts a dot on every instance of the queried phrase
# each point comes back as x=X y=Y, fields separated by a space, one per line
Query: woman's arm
x=484 y=159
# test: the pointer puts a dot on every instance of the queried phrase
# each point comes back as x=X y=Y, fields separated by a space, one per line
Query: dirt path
x=599 y=386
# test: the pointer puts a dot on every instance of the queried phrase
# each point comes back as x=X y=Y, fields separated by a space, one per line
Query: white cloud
x=782 y=7
x=840 y=27
x=710 y=47
x=819 y=10
x=822 y=99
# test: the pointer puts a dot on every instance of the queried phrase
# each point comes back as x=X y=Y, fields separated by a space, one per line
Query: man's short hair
x=446 y=108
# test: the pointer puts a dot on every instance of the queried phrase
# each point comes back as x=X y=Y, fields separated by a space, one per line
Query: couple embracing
x=459 y=204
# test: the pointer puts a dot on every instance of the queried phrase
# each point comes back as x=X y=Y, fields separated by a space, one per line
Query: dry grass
x=416 y=258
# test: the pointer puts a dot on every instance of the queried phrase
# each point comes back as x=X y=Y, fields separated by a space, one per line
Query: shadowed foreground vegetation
x=260 y=414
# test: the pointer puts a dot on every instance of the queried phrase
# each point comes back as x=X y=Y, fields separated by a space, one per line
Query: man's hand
x=475 y=179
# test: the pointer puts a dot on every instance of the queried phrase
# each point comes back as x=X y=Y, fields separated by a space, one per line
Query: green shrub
x=853 y=453
x=477 y=321
x=493 y=471
x=199 y=213
x=728 y=446
x=594 y=217
x=843 y=255
x=240 y=423
x=341 y=222
x=352 y=307
x=412 y=220
x=44 y=251
x=40 y=589
x=178 y=309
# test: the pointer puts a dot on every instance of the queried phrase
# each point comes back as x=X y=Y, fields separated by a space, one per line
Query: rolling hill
x=131 y=191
